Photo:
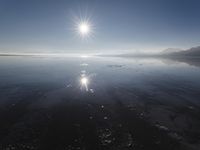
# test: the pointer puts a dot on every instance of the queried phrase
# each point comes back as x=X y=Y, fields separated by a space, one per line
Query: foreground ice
x=121 y=104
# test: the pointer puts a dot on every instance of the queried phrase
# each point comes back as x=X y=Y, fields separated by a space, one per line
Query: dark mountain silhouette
x=171 y=50
x=192 y=52
x=190 y=56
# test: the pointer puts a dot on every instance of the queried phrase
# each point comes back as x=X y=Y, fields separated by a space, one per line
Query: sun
x=84 y=28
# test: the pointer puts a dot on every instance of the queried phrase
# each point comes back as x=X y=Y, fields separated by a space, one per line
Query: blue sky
x=119 y=25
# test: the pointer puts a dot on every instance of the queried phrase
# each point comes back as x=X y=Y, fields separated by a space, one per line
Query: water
x=98 y=103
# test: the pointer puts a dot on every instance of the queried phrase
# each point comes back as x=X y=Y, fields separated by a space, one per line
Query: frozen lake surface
x=98 y=103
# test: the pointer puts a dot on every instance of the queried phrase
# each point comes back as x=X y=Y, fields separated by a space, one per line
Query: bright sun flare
x=84 y=28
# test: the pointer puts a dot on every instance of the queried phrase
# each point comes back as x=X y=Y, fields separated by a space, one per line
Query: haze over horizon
x=48 y=26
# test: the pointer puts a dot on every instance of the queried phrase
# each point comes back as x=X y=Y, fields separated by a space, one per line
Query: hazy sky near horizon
x=118 y=25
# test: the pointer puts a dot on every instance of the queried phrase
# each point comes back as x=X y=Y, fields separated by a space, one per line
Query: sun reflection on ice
x=84 y=82
x=85 y=56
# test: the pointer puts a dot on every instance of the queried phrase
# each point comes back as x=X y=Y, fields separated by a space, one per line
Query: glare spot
x=69 y=85
x=105 y=118
x=91 y=91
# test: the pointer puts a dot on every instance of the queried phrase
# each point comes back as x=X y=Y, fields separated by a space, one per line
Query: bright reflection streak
x=84 y=56
x=84 y=82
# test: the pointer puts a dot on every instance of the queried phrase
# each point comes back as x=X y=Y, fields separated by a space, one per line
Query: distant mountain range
x=168 y=53
x=190 y=56
x=192 y=52
x=171 y=50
